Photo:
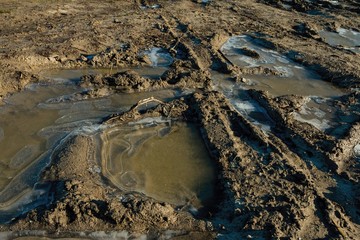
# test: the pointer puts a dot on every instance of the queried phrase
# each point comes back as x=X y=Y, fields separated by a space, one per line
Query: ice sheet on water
x=157 y=158
x=237 y=49
x=150 y=120
x=29 y=200
x=244 y=104
x=18 y=190
x=251 y=110
x=327 y=116
x=61 y=116
x=54 y=134
x=159 y=57
x=24 y=156
x=94 y=116
x=315 y=112
x=349 y=39
x=318 y=123
x=286 y=76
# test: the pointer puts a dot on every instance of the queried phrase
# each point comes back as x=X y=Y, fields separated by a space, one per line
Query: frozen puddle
x=345 y=38
x=242 y=102
x=160 y=61
x=323 y=114
x=38 y=120
x=284 y=77
x=43 y=235
x=160 y=158
x=159 y=57
x=288 y=77
x=75 y=74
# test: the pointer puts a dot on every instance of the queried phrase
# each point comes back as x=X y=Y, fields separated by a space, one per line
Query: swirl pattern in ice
x=34 y=123
x=160 y=158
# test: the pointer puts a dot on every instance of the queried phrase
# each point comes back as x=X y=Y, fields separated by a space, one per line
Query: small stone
x=117 y=20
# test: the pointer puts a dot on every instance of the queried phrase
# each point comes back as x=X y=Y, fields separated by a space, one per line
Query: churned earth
x=271 y=88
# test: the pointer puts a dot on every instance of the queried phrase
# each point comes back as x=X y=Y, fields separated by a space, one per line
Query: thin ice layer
x=324 y=115
x=243 y=103
x=24 y=156
x=165 y=161
x=37 y=121
x=159 y=57
x=287 y=77
x=346 y=38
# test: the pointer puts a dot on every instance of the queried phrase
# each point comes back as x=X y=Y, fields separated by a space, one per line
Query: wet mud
x=179 y=120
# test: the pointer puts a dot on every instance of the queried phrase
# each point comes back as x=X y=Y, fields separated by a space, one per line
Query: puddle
x=278 y=86
x=64 y=75
x=242 y=102
x=159 y=57
x=160 y=158
x=317 y=113
x=345 y=38
x=98 y=235
x=35 y=122
x=323 y=114
x=160 y=62
x=292 y=78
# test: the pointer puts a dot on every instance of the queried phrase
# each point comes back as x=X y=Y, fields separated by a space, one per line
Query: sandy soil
x=268 y=185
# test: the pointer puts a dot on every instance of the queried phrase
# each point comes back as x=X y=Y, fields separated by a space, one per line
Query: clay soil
x=268 y=185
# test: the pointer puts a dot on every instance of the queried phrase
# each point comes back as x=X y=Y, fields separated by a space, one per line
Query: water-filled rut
x=37 y=121
x=161 y=158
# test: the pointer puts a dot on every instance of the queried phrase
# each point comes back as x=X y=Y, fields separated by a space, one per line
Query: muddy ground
x=268 y=185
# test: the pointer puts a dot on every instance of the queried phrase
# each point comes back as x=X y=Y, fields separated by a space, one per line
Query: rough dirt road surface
x=269 y=185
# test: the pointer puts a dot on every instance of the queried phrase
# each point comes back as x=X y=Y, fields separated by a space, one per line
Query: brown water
x=292 y=78
x=100 y=235
x=21 y=146
x=75 y=74
x=163 y=159
x=305 y=86
x=35 y=122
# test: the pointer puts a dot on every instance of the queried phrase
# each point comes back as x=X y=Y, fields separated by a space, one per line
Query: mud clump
x=128 y=81
x=112 y=57
x=179 y=76
x=249 y=52
x=182 y=75
x=308 y=30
